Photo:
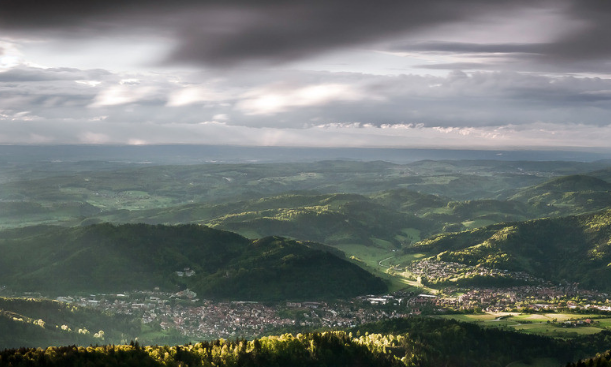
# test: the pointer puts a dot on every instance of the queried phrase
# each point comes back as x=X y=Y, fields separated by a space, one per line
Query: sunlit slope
x=114 y=193
x=327 y=218
x=575 y=248
x=118 y=187
x=106 y=258
x=569 y=194
x=335 y=219
x=393 y=216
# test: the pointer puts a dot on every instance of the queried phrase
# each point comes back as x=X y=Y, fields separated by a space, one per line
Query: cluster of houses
x=575 y=323
x=186 y=272
x=435 y=270
x=214 y=320
x=537 y=298
x=190 y=316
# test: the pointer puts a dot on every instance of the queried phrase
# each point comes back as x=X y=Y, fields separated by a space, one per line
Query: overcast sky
x=400 y=73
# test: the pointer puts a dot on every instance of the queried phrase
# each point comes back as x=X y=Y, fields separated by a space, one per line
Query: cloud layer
x=474 y=72
x=566 y=35
x=483 y=108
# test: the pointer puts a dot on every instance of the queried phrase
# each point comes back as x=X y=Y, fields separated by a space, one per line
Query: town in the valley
x=186 y=314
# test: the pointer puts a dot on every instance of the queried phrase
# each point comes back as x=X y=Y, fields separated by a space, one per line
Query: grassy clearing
x=540 y=324
x=603 y=323
x=408 y=235
x=471 y=224
x=412 y=234
x=444 y=210
x=378 y=260
x=406 y=259
x=367 y=254
x=561 y=317
x=397 y=284
x=383 y=243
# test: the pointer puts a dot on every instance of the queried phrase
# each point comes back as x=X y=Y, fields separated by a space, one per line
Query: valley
x=247 y=250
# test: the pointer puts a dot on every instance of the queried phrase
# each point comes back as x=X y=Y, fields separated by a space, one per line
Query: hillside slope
x=569 y=195
x=575 y=248
x=109 y=258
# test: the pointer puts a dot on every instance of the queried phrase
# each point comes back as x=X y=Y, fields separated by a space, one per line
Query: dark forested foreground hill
x=574 y=248
x=402 y=342
x=108 y=258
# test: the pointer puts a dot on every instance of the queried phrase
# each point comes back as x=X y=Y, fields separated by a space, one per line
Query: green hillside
x=568 y=195
x=575 y=183
x=274 y=268
x=336 y=219
x=68 y=196
x=328 y=218
x=409 y=201
x=575 y=248
x=106 y=258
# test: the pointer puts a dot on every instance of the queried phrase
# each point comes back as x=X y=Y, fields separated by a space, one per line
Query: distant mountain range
x=193 y=154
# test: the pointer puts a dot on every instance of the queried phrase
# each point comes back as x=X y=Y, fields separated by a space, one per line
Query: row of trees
x=310 y=350
x=412 y=342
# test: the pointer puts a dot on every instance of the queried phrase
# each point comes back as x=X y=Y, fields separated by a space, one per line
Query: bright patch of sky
x=114 y=54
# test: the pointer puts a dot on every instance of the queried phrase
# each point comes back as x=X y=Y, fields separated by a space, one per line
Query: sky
x=469 y=74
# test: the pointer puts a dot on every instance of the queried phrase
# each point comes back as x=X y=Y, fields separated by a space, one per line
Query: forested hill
x=422 y=342
x=110 y=258
x=574 y=194
x=575 y=248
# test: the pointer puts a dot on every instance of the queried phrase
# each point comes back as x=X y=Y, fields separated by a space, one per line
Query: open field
x=540 y=324
x=471 y=224
x=380 y=261
x=369 y=258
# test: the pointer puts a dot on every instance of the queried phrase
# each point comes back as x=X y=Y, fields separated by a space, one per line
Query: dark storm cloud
x=292 y=30
x=593 y=40
x=463 y=47
x=223 y=33
x=226 y=33
x=585 y=48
